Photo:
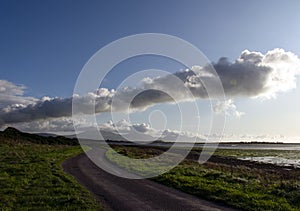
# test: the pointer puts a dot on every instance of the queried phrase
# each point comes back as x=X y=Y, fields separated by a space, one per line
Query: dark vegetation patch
x=12 y=136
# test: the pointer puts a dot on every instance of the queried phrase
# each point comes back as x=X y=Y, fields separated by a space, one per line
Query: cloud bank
x=253 y=75
x=122 y=128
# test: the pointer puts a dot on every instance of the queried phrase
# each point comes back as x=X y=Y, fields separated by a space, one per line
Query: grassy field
x=238 y=186
x=32 y=178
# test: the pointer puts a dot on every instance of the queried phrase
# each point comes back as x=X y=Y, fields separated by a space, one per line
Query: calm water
x=240 y=146
x=280 y=161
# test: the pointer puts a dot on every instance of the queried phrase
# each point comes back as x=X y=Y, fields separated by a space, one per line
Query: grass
x=32 y=178
x=139 y=164
x=245 y=188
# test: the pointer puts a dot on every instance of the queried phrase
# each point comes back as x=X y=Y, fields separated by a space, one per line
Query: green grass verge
x=244 y=188
x=32 y=178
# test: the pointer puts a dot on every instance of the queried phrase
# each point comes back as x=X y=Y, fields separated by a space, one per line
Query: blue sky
x=44 y=44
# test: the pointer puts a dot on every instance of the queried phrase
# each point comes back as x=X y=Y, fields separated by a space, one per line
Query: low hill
x=12 y=135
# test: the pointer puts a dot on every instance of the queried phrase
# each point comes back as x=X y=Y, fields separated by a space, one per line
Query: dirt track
x=117 y=193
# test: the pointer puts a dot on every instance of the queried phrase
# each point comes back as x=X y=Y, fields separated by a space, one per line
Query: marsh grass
x=136 y=162
x=238 y=186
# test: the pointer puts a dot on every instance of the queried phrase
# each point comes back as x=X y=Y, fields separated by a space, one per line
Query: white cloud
x=283 y=69
x=228 y=107
x=8 y=88
x=11 y=96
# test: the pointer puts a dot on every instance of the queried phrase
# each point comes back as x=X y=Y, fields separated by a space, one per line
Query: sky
x=45 y=44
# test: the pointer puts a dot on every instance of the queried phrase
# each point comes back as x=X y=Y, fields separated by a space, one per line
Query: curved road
x=117 y=193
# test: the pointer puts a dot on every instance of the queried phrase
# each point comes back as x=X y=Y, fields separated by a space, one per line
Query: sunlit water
x=275 y=160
